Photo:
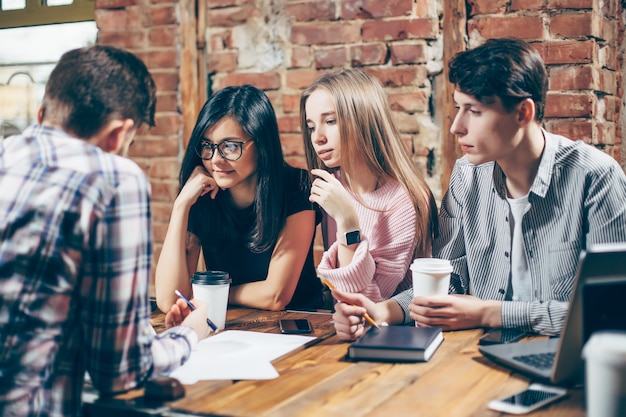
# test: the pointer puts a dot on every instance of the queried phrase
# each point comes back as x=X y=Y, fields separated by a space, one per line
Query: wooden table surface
x=318 y=381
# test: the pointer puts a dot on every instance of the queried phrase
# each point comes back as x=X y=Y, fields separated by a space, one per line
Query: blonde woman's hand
x=198 y=184
x=332 y=196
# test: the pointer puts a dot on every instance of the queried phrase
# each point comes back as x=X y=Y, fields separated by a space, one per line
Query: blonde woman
x=380 y=212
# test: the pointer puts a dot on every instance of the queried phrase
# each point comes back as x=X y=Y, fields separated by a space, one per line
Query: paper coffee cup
x=605 y=374
x=212 y=287
x=431 y=276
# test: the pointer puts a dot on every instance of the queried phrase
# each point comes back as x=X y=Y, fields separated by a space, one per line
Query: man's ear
x=526 y=111
x=113 y=136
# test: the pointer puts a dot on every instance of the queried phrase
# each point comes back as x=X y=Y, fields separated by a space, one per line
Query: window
x=27 y=55
x=20 y=13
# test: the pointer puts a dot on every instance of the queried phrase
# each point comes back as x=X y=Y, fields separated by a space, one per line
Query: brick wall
x=281 y=46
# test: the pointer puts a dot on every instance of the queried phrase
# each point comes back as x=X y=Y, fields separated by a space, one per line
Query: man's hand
x=455 y=312
x=181 y=314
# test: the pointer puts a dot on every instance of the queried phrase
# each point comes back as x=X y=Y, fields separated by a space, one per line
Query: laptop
x=558 y=360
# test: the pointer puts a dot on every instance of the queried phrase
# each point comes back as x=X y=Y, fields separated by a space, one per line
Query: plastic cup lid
x=609 y=346
x=211 y=278
x=435 y=265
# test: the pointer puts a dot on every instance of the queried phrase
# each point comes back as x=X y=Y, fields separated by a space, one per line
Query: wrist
x=349 y=237
x=491 y=314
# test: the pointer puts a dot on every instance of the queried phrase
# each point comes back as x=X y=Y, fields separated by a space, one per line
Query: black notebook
x=397 y=344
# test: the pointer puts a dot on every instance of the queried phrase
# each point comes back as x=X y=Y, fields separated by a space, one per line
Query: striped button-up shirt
x=75 y=258
x=576 y=200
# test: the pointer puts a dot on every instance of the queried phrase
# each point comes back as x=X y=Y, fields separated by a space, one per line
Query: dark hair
x=91 y=86
x=510 y=69
x=252 y=110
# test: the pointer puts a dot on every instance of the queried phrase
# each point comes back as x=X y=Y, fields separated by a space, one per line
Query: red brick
x=570 y=4
x=604 y=134
x=296 y=161
x=230 y=16
x=571 y=129
x=368 y=54
x=302 y=78
x=127 y=39
x=165 y=81
x=164 y=169
x=422 y=28
x=579 y=77
x=163 y=36
x=399 y=76
x=605 y=29
x=371 y=9
x=406 y=123
x=307 y=11
x=409 y=102
x=114 y=4
x=161 y=211
x=523 y=27
x=567 y=52
x=164 y=58
x=569 y=105
x=289 y=123
x=167 y=124
x=167 y=101
x=525 y=5
x=164 y=190
x=292 y=144
x=162 y=15
x=610 y=8
x=330 y=57
x=413 y=53
x=331 y=33
x=487 y=6
x=424 y=8
x=608 y=57
x=571 y=25
x=117 y=19
x=291 y=103
x=264 y=81
x=222 y=62
x=301 y=57
x=214 y=4
x=221 y=40
x=154 y=147
x=159 y=230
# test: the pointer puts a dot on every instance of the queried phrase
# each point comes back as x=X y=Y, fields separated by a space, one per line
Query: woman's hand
x=332 y=196
x=198 y=184
x=349 y=314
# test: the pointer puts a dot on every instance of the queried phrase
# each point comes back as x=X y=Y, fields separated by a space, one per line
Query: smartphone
x=495 y=336
x=295 y=326
x=532 y=398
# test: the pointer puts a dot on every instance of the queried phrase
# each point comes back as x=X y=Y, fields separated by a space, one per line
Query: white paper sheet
x=237 y=355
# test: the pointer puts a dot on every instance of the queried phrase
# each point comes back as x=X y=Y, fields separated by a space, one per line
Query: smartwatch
x=349 y=238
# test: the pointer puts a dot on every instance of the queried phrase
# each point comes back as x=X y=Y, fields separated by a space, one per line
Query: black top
x=230 y=252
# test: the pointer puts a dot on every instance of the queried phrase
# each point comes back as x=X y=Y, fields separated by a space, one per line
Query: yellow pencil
x=369 y=319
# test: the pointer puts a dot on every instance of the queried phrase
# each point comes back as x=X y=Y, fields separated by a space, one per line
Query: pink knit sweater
x=379 y=268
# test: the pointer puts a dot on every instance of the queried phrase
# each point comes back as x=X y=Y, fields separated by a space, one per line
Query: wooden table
x=318 y=381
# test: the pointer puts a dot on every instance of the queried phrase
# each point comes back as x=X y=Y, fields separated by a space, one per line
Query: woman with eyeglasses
x=244 y=206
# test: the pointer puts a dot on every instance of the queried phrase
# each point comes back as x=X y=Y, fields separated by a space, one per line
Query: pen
x=193 y=307
x=367 y=317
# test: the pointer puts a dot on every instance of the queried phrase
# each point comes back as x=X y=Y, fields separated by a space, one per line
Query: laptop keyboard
x=537 y=360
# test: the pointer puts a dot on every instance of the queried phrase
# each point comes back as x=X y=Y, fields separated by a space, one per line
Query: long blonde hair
x=368 y=134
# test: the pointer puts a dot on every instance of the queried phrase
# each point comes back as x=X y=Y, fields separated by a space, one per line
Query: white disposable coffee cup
x=212 y=287
x=605 y=374
x=431 y=276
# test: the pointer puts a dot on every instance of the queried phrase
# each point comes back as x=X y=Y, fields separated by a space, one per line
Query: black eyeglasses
x=229 y=149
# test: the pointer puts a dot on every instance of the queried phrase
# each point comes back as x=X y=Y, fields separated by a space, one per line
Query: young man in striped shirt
x=521 y=205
